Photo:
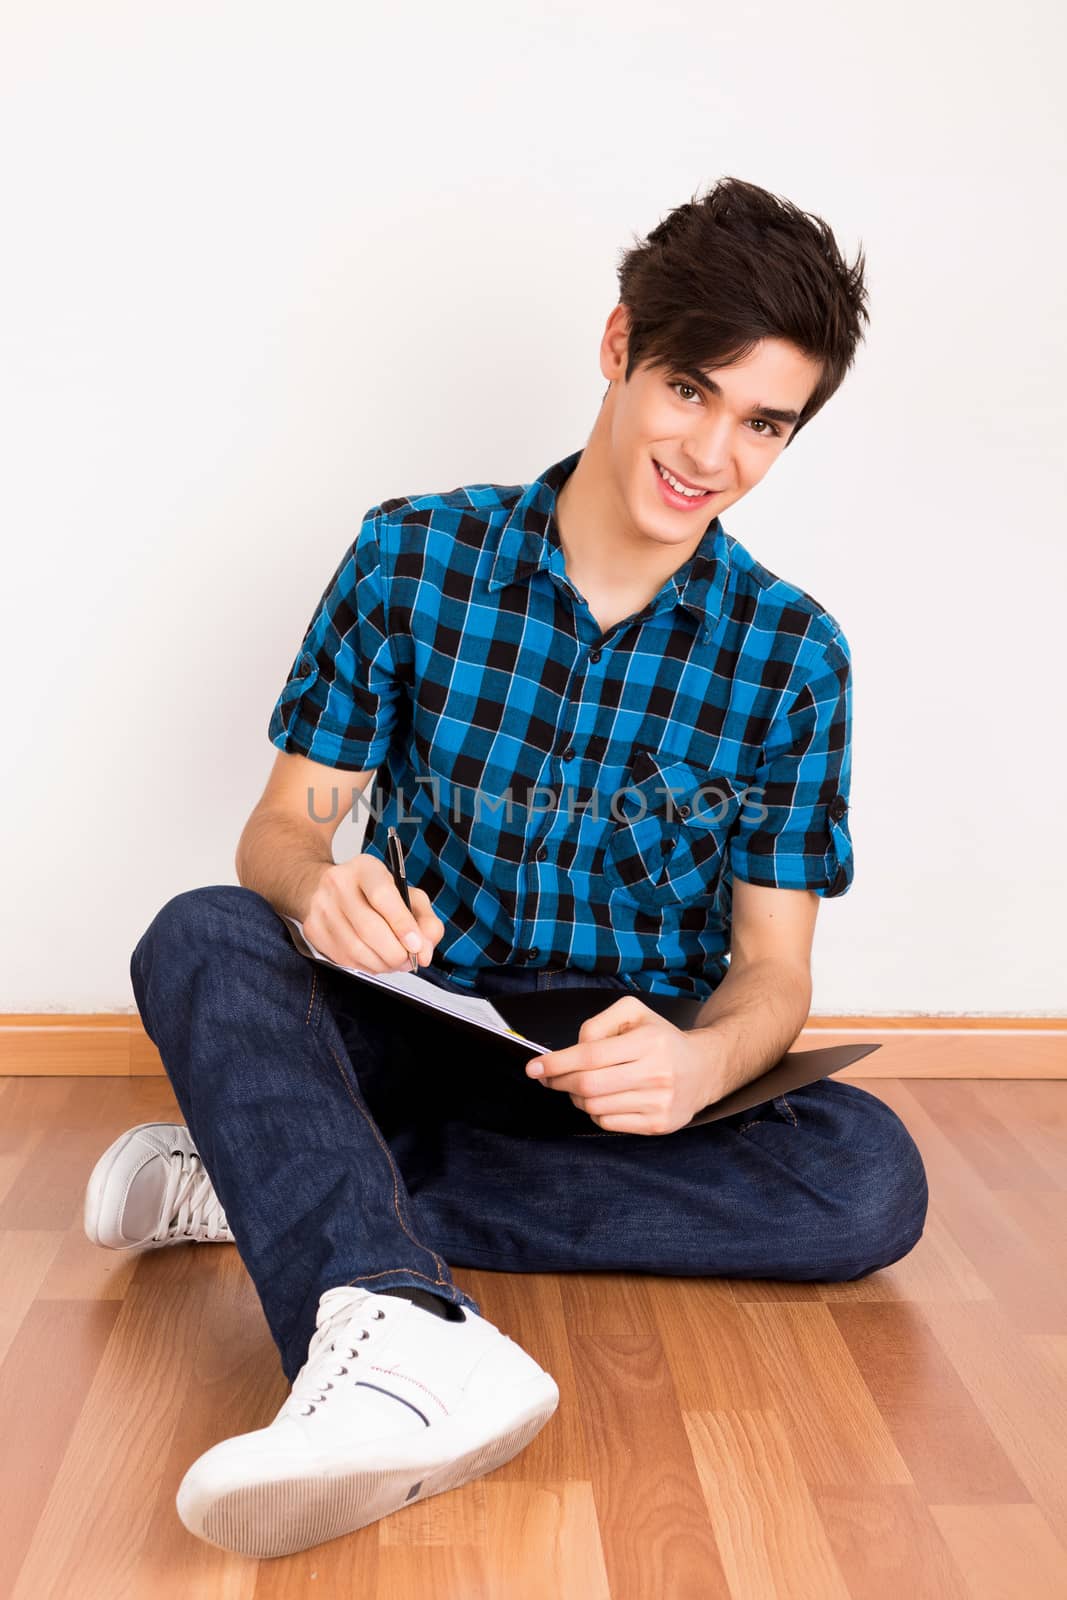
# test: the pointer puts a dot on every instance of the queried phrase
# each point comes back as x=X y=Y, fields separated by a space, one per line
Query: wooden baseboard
x=116 y=1045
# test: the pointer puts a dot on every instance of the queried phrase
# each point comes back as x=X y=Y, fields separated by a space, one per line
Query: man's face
x=713 y=440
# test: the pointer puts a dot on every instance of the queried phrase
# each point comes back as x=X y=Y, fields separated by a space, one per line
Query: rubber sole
x=284 y=1515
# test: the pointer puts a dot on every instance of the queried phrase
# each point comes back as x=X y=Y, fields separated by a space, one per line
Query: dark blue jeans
x=354 y=1138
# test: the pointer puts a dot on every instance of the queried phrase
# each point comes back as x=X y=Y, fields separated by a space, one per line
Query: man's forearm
x=282 y=861
x=751 y=1020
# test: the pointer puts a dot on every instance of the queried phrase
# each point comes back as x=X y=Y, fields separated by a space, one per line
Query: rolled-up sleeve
x=794 y=832
x=341 y=701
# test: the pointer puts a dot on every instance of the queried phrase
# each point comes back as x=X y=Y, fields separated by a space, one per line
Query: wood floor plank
x=1003 y=1252
x=50 y=1194
x=31 y=1104
x=44 y=1378
x=951 y=1452
x=1020 y=1392
x=234 y=1385
x=342 y=1567
x=17 y=1149
x=82 y=1271
x=88 y=1116
x=766 y=1525
x=983 y=1139
x=649 y=1501
x=888 y=1545
x=607 y=1302
x=25 y=1258
x=708 y=1345
x=30 y=1110
x=530 y=1308
x=543 y=1539
x=1004 y=1552
x=837 y=1432
x=438 y=1574
x=91 y=1535
x=1041 y=1215
x=1036 y=1113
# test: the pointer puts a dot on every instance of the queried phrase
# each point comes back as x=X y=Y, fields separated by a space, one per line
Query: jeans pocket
x=776 y=1110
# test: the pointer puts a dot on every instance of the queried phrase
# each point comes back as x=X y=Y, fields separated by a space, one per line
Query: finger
x=629 y=1103
x=385 y=923
x=626 y=1115
x=622 y=1015
x=367 y=931
x=343 y=944
x=590 y=1056
x=626 y=1077
x=430 y=925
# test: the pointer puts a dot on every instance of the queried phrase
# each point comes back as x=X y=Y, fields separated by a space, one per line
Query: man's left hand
x=632 y=1071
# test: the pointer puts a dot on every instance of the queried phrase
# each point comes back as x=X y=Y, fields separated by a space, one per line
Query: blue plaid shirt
x=567 y=797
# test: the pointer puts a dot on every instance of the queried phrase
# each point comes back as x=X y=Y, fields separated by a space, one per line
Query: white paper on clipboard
x=469 y=1008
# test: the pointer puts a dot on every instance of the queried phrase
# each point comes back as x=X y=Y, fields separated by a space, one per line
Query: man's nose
x=708 y=450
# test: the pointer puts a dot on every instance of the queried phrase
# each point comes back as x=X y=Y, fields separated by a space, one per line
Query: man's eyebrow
x=771 y=414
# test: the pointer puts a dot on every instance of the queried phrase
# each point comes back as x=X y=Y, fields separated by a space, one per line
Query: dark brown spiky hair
x=736 y=266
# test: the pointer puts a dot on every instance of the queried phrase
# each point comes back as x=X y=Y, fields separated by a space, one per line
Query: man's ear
x=614 y=346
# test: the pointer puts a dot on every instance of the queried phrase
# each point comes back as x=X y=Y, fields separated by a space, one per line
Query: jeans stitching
x=757 y=1120
x=440 y=1279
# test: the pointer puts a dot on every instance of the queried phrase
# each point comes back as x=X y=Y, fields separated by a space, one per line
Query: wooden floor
x=905 y=1435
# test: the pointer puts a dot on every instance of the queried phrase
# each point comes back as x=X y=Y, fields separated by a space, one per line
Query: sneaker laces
x=342 y=1310
x=191 y=1208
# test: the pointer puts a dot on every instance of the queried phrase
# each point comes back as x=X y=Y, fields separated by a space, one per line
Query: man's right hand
x=357 y=917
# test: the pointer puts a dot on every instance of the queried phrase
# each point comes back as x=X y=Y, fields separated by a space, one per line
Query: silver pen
x=395 y=856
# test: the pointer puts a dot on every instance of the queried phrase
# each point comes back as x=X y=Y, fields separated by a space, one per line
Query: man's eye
x=761 y=423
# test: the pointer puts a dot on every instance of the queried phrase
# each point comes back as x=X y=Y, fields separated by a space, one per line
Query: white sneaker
x=392 y=1405
x=149 y=1189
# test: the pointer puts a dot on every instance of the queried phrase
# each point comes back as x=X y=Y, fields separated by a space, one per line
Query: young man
x=617 y=748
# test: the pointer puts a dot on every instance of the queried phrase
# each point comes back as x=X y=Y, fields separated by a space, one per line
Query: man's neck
x=603 y=553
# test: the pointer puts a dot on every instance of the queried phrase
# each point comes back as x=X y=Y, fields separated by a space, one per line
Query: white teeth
x=680 y=488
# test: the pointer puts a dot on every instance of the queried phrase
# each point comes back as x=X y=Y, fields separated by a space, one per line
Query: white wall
x=267 y=264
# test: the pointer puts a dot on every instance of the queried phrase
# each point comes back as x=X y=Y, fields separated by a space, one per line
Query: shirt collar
x=529 y=541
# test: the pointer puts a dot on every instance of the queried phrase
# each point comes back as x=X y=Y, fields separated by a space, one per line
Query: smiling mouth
x=680 y=487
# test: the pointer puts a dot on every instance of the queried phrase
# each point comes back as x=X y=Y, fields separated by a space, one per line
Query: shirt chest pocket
x=669 y=845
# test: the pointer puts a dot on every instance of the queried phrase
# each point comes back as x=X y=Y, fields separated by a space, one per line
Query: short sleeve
x=341 y=701
x=793 y=832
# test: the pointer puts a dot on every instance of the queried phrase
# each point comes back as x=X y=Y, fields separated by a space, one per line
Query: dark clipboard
x=556 y=1016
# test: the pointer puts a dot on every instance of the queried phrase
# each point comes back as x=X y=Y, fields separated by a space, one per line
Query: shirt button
x=594 y=655
x=684 y=811
x=568 y=754
x=541 y=853
x=838 y=807
x=533 y=953
x=303 y=669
